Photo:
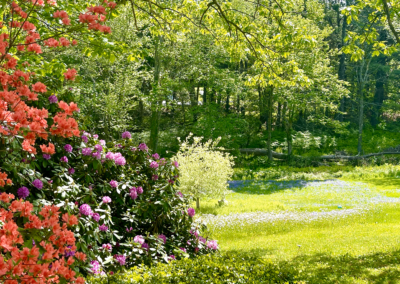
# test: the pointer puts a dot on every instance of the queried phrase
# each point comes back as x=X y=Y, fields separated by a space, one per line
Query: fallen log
x=264 y=152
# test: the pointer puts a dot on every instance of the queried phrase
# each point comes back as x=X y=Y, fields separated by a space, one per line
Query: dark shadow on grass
x=323 y=268
x=384 y=181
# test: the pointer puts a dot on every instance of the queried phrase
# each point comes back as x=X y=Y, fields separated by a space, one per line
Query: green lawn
x=344 y=230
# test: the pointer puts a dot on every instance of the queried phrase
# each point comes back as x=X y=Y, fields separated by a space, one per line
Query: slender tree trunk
x=197 y=203
x=270 y=105
x=212 y=97
x=227 y=106
x=288 y=128
x=205 y=94
x=262 y=105
x=360 y=119
x=141 y=112
x=155 y=112
x=342 y=68
x=278 y=116
x=219 y=99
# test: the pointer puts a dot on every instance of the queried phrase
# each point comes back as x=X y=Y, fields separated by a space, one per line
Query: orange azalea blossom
x=4 y=180
x=19 y=264
x=51 y=150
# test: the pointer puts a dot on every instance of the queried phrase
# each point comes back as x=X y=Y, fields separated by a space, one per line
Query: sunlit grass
x=357 y=248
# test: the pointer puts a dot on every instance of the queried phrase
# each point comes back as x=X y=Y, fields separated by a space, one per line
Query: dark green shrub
x=215 y=269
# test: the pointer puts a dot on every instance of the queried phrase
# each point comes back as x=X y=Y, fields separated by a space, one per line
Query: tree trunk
x=278 y=116
x=262 y=105
x=198 y=203
x=155 y=121
x=227 y=106
x=205 y=94
x=360 y=119
x=342 y=68
x=155 y=112
x=140 y=112
x=270 y=105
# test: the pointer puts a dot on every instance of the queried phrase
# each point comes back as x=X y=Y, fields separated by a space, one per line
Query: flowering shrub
x=36 y=248
x=125 y=215
x=204 y=171
x=124 y=197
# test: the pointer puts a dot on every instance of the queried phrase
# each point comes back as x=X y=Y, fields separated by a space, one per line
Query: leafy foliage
x=230 y=268
x=205 y=171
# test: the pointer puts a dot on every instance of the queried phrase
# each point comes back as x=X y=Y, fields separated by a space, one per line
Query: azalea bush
x=37 y=247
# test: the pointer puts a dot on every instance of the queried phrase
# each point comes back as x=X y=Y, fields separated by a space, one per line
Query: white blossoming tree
x=204 y=168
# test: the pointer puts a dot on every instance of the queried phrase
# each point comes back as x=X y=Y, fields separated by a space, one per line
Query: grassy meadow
x=340 y=225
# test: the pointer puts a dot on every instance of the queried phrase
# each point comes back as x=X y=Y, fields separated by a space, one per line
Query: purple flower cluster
x=126 y=135
x=176 y=164
x=96 y=217
x=119 y=160
x=107 y=247
x=68 y=148
x=69 y=252
x=23 y=192
x=139 y=239
x=156 y=156
x=84 y=138
x=96 y=155
x=85 y=210
x=106 y=199
x=103 y=228
x=64 y=159
x=191 y=212
x=145 y=246
x=102 y=142
x=212 y=245
x=154 y=165
x=135 y=191
x=114 y=184
x=154 y=177
x=98 y=148
x=86 y=151
x=38 y=183
x=163 y=238
x=46 y=156
x=53 y=99
x=117 y=157
x=95 y=266
x=71 y=171
x=143 y=147
x=183 y=249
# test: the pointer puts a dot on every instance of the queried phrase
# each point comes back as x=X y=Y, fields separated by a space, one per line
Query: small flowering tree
x=204 y=171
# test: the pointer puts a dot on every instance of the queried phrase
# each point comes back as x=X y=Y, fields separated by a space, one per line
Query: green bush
x=229 y=268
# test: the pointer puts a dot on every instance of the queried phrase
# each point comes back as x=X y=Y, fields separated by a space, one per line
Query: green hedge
x=230 y=268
